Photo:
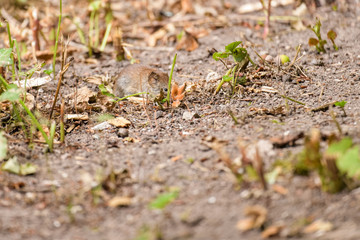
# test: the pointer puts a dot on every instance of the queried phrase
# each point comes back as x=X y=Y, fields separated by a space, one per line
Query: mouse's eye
x=165 y=89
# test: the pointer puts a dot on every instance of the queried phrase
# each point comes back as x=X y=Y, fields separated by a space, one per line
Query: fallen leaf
x=119 y=122
x=256 y=216
x=280 y=189
x=187 y=42
x=246 y=224
x=82 y=117
x=34 y=82
x=97 y=79
x=13 y=166
x=271 y=231
x=318 y=226
x=118 y=201
x=161 y=34
x=176 y=158
x=177 y=94
x=186 y=6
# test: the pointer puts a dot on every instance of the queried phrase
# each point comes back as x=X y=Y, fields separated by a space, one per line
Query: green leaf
x=232 y=46
x=27 y=169
x=163 y=200
x=5 y=58
x=240 y=54
x=95 y=5
x=219 y=55
x=313 y=42
x=339 y=148
x=317 y=27
x=340 y=104
x=349 y=163
x=12 y=94
x=227 y=78
x=3 y=146
x=48 y=71
x=104 y=91
x=331 y=35
x=12 y=165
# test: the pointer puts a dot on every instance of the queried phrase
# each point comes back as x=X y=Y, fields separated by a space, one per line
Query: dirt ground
x=163 y=150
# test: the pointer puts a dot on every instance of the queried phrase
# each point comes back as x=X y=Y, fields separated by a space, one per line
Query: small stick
x=62 y=128
x=293 y=100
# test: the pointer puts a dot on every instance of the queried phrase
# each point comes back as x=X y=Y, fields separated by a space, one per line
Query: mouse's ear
x=153 y=78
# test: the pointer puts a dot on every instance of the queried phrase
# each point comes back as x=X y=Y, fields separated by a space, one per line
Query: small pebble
x=212 y=200
x=188 y=115
x=123 y=133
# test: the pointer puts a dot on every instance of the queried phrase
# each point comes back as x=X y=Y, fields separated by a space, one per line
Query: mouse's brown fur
x=138 y=78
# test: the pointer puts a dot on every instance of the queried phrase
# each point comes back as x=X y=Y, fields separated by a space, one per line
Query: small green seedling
x=319 y=43
x=332 y=35
x=241 y=58
x=341 y=104
x=164 y=199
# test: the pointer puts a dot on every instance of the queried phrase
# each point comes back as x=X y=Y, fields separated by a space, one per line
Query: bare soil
x=166 y=149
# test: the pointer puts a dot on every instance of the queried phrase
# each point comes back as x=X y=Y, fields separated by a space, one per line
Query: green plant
x=12 y=94
x=338 y=166
x=241 y=58
x=93 y=39
x=341 y=104
x=319 y=43
x=164 y=199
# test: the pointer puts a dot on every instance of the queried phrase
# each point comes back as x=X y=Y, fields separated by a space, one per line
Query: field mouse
x=136 y=78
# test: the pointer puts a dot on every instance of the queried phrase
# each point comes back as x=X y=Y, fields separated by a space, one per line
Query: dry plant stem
x=146 y=112
x=323 y=107
x=59 y=84
x=233 y=117
x=294 y=60
x=293 y=100
x=35 y=27
x=337 y=124
x=62 y=124
x=260 y=168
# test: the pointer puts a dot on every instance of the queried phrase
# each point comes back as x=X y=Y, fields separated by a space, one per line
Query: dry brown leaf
x=119 y=122
x=176 y=158
x=271 y=231
x=280 y=189
x=177 y=94
x=97 y=79
x=83 y=117
x=187 y=42
x=246 y=224
x=84 y=95
x=137 y=100
x=256 y=216
x=118 y=201
x=317 y=226
x=30 y=101
x=159 y=34
x=186 y=6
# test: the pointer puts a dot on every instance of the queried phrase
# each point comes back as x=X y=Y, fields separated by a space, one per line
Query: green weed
x=319 y=43
x=164 y=199
x=241 y=58
x=338 y=166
